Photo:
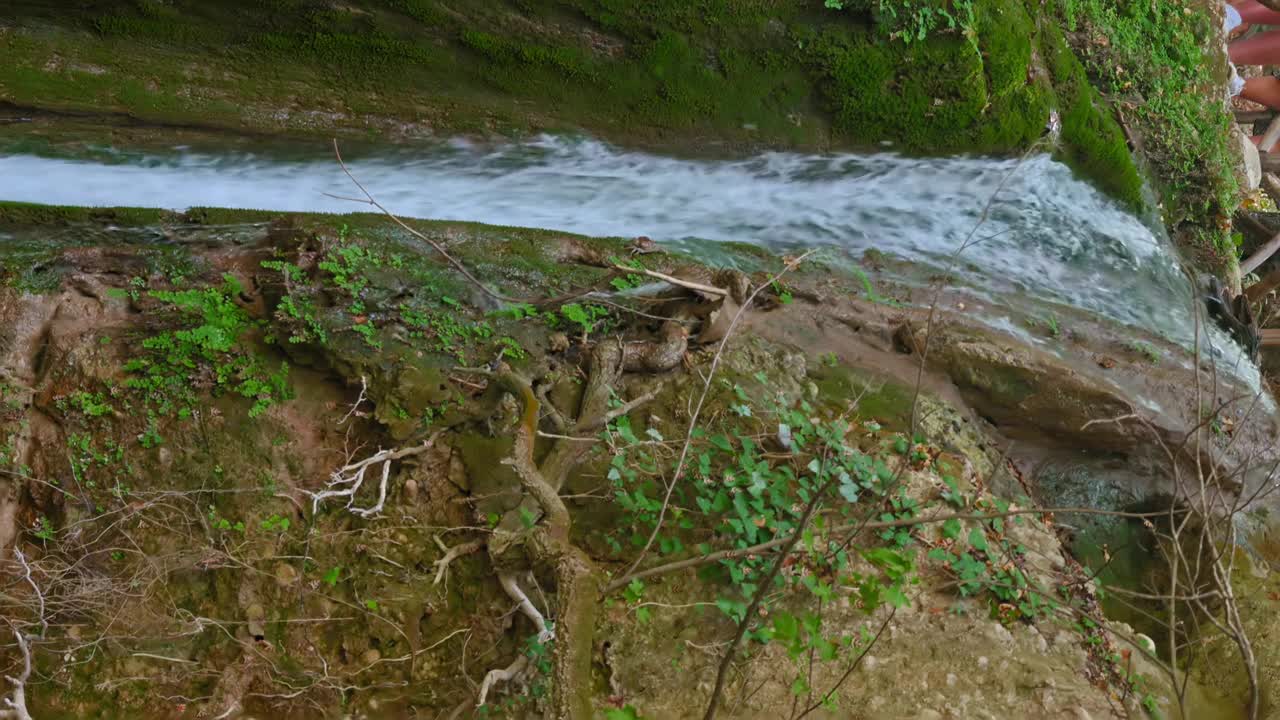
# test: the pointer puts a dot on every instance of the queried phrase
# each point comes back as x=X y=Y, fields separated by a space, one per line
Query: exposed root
x=17 y=704
x=451 y=554
x=497 y=675
x=512 y=588
x=347 y=480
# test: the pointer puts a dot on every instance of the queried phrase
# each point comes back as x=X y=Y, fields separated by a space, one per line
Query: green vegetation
x=1150 y=60
x=1145 y=349
x=739 y=492
x=915 y=20
x=214 y=351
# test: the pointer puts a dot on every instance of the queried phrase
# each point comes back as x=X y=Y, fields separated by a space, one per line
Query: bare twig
x=369 y=200
x=678 y=282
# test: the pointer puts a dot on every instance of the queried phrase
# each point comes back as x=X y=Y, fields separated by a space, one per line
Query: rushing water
x=1048 y=237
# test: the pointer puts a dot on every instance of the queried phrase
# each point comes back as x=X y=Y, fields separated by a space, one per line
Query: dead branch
x=451 y=554
x=678 y=282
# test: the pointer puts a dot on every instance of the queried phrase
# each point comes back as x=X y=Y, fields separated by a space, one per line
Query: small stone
x=1082 y=714
x=166 y=457
x=256 y=615
x=371 y=656
x=928 y=714
x=559 y=342
x=869 y=663
x=952 y=679
x=411 y=490
x=286 y=574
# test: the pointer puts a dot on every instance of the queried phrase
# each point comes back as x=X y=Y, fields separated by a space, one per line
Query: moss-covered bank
x=671 y=72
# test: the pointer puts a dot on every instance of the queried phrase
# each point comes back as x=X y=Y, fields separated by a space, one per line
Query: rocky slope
x=187 y=397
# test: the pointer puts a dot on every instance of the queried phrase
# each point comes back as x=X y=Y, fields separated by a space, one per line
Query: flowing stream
x=1048 y=239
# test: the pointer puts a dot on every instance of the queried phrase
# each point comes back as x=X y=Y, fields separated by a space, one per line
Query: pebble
x=286 y=574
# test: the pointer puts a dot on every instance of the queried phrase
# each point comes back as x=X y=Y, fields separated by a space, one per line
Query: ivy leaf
x=331 y=577
x=951 y=529
x=894 y=596
x=895 y=564
x=785 y=627
x=978 y=540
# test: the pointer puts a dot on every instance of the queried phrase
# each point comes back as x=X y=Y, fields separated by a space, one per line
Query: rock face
x=166 y=486
x=1250 y=163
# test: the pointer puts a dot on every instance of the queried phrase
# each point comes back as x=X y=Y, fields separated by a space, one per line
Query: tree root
x=497 y=675
x=17 y=704
x=451 y=554
x=512 y=588
x=347 y=480
x=547 y=546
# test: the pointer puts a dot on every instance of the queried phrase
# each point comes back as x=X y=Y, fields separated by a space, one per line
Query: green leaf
x=951 y=529
x=978 y=540
x=331 y=576
x=527 y=517
x=894 y=563
x=799 y=688
x=849 y=492
x=894 y=596
x=785 y=627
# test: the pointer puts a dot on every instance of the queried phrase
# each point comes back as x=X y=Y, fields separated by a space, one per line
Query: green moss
x=674 y=71
x=21 y=213
x=884 y=401
x=1092 y=141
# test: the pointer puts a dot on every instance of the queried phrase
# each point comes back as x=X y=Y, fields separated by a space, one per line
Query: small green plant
x=1052 y=327
x=331 y=576
x=223 y=524
x=1145 y=349
x=90 y=404
x=297 y=309
x=43 y=530
x=539 y=653
x=212 y=352
x=586 y=317
x=276 y=523
x=915 y=20
x=510 y=347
